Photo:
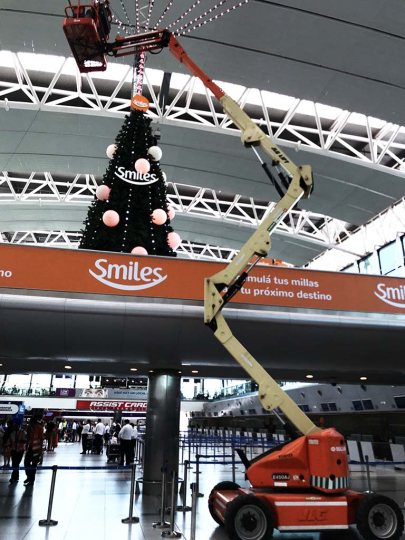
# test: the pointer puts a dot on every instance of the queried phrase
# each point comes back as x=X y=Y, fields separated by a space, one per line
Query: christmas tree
x=130 y=213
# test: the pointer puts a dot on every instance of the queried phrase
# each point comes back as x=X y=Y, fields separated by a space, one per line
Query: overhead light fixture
x=68 y=367
x=134 y=369
x=194 y=371
x=179 y=372
x=151 y=371
x=309 y=376
x=1 y=365
x=363 y=378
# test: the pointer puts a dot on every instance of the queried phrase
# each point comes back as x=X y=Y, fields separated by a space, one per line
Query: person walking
x=85 y=436
x=17 y=441
x=98 y=437
x=125 y=437
x=35 y=437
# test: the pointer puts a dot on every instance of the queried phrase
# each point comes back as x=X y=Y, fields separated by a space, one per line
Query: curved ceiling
x=343 y=54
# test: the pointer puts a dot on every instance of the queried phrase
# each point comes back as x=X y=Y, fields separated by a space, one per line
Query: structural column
x=162 y=428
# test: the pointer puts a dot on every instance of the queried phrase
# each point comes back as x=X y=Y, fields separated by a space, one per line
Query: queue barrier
x=376 y=454
x=194 y=443
x=200 y=459
x=49 y=522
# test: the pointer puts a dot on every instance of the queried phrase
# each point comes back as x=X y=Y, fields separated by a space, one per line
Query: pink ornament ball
x=171 y=213
x=111 y=218
x=159 y=216
x=174 y=240
x=103 y=192
x=142 y=166
x=139 y=250
x=110 y=151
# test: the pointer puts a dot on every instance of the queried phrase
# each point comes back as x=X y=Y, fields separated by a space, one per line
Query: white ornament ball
x=142 y=166
x=155 y=153
x=103 y=192
x=110 y=151
x=139 y=250
x=171 y=213
x=159 y=216
x=111 y=218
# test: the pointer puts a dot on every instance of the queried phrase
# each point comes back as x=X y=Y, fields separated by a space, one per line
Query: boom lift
x=301 y=485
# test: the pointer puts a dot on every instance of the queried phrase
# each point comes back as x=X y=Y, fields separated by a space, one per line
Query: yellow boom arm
x=221 y=287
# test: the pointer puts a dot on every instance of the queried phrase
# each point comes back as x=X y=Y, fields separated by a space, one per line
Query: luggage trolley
x=113 y=452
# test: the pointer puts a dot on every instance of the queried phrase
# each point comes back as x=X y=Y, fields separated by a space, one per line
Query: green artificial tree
x=130 y=212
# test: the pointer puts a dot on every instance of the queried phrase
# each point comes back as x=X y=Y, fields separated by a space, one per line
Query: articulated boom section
x=222 y=286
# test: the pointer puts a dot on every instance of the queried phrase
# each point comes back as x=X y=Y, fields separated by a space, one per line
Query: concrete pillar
x=162 y=428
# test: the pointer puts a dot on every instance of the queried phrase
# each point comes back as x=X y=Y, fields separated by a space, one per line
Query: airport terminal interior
x=202 y=263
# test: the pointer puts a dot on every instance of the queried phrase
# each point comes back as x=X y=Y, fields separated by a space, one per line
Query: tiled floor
x=91 y=503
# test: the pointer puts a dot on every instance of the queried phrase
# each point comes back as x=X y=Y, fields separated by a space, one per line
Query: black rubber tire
x=249 y=518
x=222 y=486
x=379 y=517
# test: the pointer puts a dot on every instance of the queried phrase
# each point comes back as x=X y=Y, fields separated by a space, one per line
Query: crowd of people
x=20 y=440
x=17 y=440
x=94 y=435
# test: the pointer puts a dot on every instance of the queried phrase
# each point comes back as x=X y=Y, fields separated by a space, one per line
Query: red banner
x=50 y=269
x=111 y=405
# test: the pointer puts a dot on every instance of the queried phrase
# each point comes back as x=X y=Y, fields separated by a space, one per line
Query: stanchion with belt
x=183 y=490
x=197 y=472
x=48 y=522
x=194 y=492
x=162 y=524
x=172 y=533
x=131 y=518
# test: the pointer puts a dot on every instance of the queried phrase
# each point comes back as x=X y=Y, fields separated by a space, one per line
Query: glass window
x=389 y=259
x=324 y=406
x=357 y=405
x=400 y=402
x=367 y=404
x=332 y=406
x=304 y=408
x=41 y=380
x=398 y=272
x=369 y=265
x=351 y=269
